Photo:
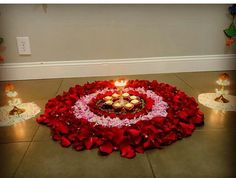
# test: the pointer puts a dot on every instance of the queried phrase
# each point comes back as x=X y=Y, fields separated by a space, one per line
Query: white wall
x=81 y=32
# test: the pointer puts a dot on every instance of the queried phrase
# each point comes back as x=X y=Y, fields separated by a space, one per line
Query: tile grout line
x=150 y=165
x=10 y=142
x=35 y=133
x=30 y=142
x=59 y=86
x=186 y=83
x=14 y=173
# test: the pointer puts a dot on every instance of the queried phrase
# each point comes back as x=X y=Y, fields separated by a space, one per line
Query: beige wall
x=79 y=32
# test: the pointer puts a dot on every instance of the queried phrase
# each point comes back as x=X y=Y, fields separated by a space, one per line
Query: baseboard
x=111 y=67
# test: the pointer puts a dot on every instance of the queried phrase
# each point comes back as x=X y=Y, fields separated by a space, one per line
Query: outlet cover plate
x=23 y=45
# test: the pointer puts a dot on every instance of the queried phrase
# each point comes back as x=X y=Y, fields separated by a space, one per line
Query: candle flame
x=120 y=83
x=9 y=87
x=223 y=82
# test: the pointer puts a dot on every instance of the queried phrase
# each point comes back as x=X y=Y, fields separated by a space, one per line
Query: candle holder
x=223 y=81
x=14 y=101
x=120 y=84
x=129 y=106
x=135 y=102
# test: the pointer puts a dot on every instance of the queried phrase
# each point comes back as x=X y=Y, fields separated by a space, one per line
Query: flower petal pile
x=168 y=115
x=158 y=109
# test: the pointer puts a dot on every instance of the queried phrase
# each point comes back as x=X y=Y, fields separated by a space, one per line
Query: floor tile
x=11 y=155
x=30 y=90
x=206 y=81
x=166 y=78
x=48 y=159
x=23 y=131
x=43 y=134
x=208 y=155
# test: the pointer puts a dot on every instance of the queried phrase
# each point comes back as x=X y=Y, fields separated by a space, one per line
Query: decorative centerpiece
x=223 y=81
x=119 y=102
x=14 y=101
x=129 y=116
x=16 y=111
x=221 y=99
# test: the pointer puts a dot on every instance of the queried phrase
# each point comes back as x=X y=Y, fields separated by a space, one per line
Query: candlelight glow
x=9 y=87
x=120 y=83
x=222 y=92
x=223 y=81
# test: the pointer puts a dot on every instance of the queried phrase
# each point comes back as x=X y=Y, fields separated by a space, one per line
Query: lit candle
x=117 y=105
x=115 y=95
x=129 y=106
x=14 y=101
x=120 y=83
x=223 y=81
x=133 y=97
x=135 y=101
x=109 y=102
x=125 y=95
x=107 y=98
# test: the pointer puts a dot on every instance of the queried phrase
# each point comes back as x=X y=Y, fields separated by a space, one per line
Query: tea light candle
x=117 y=105
x=129 y=106
x=135 y=101
x=125 y=95
x=107 y=98
x=109 y=102
x=115 y=95
x=133 y=97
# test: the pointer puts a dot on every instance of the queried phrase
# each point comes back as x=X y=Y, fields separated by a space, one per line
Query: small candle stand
x=120 y=84
x=14 y=101
x=223 y=81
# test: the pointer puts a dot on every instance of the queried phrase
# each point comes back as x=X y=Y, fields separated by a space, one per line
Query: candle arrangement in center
x=120 y=99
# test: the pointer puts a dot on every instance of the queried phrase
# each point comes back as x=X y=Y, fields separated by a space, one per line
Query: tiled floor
x=26 y=149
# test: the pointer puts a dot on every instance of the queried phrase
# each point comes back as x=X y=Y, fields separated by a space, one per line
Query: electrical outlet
x=23 y=45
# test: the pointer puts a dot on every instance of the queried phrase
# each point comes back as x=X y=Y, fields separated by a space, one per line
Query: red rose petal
x=159 y=120
x=62 y=128
x=138 y=140
x=147 y=144
x=65 y=142
x=78 y=146
x=127 y=151
x=72 y=137
x=133 y=132
x=139 y=149
x=183 y=114
x=88 y=143
x=83 y=133
x=106 y=148
x=56 y=137
x=187 y=128
x=170 y=138
x=41 y=119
